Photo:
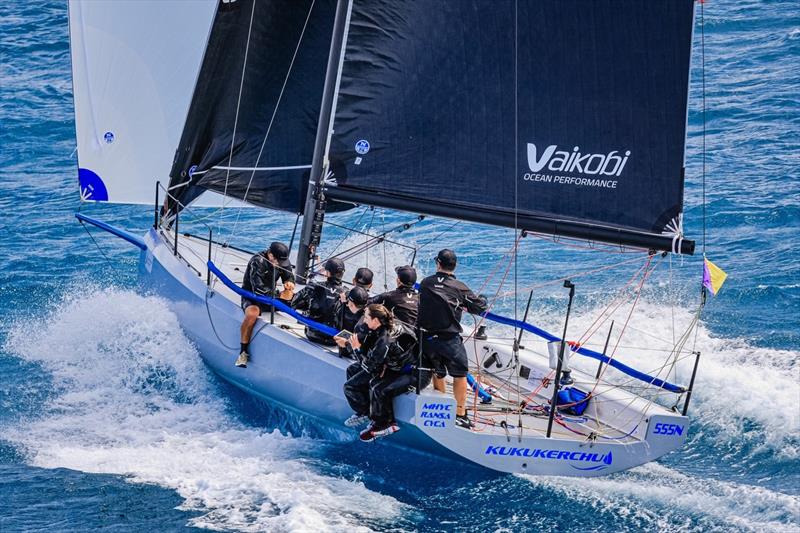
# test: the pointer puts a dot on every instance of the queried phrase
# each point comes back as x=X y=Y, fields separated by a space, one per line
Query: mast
x=314 y=210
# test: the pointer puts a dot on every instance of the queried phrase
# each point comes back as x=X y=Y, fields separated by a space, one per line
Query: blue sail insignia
x=91 y=186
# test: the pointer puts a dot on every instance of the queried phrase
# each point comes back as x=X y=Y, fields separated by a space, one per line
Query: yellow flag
x=713 y=276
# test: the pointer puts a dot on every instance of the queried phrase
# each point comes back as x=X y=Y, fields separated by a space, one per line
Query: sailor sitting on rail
x=388 y=346
x=263 y=269
x=397 y=377
x=321 y=300
x=350 y=318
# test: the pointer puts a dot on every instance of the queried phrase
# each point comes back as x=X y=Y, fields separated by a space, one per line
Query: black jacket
x=258 y=275
x=442 y=298
x=375 y=351
x=381 y=349
x=321 y=302
x=346 y=319
x=402 y=352
x=403 y=302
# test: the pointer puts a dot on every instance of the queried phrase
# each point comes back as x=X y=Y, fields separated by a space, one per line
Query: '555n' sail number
x=667 y=429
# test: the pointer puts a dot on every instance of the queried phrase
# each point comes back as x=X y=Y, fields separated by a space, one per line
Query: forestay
x=563 y=116
x=134 y=66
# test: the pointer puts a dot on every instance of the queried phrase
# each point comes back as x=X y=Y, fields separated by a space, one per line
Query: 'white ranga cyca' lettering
x=609 y=164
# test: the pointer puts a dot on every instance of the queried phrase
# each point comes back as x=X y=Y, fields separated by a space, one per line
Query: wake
x=132 y=397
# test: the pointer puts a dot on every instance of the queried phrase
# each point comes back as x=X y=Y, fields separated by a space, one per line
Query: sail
x=253 y=117
x=134 y=66
x=561 y=116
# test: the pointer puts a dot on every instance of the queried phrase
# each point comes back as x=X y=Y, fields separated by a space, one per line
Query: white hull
x=289 y=370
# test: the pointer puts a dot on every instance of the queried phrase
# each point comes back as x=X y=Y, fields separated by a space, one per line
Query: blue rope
x=622 y=367
x=271 y=301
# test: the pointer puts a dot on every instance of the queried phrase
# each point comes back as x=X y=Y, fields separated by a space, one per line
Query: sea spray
x=132 y=397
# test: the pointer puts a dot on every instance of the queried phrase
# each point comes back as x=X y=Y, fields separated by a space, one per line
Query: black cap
x=447 y=259
x=280 y=252
x=363 y=277
x=358 y=296
x=407 y=275
x=334 y=266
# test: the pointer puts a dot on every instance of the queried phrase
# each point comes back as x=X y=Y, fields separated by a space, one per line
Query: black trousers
x=383 y=390
x=356 y=389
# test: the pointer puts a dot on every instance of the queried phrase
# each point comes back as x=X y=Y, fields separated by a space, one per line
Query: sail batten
x=431 y=93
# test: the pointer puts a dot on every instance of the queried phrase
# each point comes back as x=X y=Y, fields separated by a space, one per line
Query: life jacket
x=402 y=351
x=324 y=302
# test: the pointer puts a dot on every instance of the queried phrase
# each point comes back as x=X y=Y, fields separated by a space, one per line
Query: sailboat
x=559 y=118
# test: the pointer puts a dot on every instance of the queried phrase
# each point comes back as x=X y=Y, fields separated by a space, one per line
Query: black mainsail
x=564 y=117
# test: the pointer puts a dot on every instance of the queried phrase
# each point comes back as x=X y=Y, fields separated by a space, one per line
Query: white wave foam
x=654 y=496
x=132 y=397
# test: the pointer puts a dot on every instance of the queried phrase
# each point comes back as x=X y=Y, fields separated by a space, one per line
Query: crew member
x=397 y=377
x=442 y=299
x=321 y=300
x=373 y=355
x=263 y=269
x=403 y=302
x=363 y=278
x=350 y=316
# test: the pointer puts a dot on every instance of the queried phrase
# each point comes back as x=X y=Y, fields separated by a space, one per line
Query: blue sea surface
x=110 y=421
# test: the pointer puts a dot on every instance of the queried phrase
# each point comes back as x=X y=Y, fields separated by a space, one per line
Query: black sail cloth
x=203 y=158
x=559 y=116
x=570 y=113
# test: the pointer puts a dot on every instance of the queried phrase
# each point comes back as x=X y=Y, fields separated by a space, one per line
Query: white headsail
x=134 y=68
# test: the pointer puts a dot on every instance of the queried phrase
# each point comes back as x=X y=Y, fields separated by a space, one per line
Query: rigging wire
x=112 y=265
x=117 y=272
x=703 y=74
x=576 y=275
x=236 y=115
x=438 y=235
x=271 y=120
x=350 y=231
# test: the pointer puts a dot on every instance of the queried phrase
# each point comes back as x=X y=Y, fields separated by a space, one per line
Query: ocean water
x=109 y=420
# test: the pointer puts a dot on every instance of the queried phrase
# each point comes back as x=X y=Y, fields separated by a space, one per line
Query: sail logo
x=597 y=461
x=362 y=146
x=551 y=158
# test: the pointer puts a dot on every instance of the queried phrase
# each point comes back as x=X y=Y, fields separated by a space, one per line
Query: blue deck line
x=622 y=367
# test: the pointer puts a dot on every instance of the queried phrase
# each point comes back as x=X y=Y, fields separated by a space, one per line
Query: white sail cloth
x=134 y=68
